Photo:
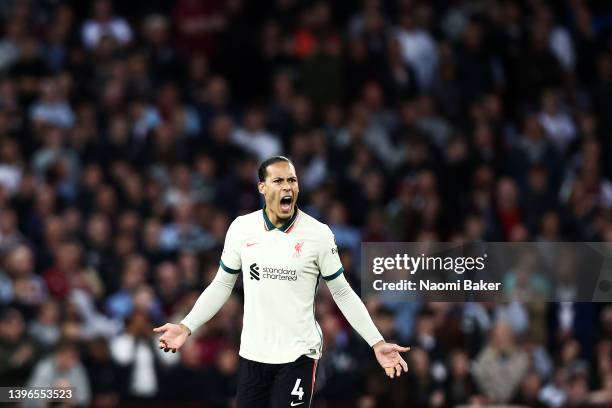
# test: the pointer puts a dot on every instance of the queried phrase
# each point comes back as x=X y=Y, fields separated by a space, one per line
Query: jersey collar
x=286 y=227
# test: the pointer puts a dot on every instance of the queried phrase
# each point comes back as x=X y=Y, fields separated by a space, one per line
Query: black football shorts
x=262 y=385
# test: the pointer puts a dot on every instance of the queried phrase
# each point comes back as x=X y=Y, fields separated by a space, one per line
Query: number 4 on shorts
x=297 y=390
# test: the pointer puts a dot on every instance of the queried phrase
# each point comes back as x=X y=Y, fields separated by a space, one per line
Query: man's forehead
x=281 y=169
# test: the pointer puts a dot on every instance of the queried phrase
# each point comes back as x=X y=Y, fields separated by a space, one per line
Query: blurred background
x=130 y=135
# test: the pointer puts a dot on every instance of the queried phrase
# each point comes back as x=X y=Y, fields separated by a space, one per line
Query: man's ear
x=261 y=186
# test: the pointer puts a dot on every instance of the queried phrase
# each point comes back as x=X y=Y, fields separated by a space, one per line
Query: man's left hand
x=389 y=358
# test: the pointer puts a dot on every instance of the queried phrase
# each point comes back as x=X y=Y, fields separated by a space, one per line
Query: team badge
x=298 y=249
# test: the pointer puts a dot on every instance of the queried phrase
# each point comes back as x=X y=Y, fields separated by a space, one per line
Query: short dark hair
x=263 y=168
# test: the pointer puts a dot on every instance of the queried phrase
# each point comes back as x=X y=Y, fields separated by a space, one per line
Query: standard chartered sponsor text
x=279 y=274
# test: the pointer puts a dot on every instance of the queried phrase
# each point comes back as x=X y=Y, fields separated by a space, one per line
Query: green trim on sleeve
x=228 y=269
x=335 y=275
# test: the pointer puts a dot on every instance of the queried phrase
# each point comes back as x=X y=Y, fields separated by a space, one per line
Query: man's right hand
x=173 y=337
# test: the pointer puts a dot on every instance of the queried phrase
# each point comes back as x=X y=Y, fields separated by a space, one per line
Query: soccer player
x=282 y=253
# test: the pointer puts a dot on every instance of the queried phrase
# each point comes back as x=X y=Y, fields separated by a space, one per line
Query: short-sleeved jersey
x=281 y=269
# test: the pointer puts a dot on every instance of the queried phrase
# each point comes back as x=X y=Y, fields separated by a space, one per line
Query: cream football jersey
x=281 y=269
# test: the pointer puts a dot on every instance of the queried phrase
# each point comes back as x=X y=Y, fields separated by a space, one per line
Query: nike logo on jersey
x=295 y=404
x=250 y=244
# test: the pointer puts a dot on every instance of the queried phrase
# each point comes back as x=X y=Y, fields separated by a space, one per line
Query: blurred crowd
x=130 y=135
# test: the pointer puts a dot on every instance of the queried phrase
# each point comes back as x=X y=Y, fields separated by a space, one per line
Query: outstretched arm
x=353 y=309
x=213 y=297
x=207 y=305
x=388 y=355
x=211 y=300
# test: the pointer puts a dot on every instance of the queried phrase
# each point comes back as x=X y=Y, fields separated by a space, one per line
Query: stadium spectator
x=104 y=374
x=460 y=384
x=18 y=351
x=45 y=327
x=29 y=290
x=500 y=367
x=102 y=24
x=136 y=353
x=63 y=369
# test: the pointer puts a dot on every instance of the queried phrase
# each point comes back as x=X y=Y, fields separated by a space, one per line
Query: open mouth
x=285 y=203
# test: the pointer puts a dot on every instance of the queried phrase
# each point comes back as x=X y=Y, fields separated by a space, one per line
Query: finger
x=400 y=348
x=390 y=372
x=161 y=328
x=404 y=364
x=398 y=370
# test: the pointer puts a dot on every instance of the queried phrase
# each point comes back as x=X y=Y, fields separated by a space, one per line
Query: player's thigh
x=294 y=384
x=254 y=385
